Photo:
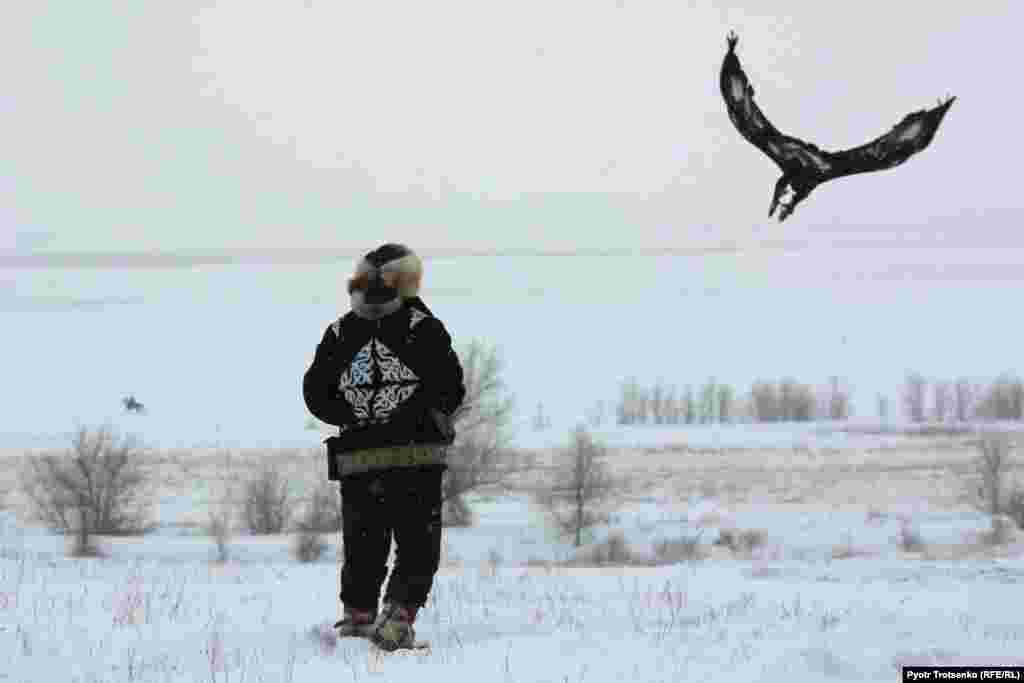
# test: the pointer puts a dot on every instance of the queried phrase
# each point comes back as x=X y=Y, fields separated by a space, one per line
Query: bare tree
x=266 y=505
x=788 y=397
x=797 y=402
x=219 y=526
x=322 y=515
x=989 y=487
x=1004 y=399
x=1015 y=399
x=913 y=396
x=785 y=400
x=707 y=401
x=963 y=400
x=644 y=405
x=480 y=455
x=629 y=408
x=220 y=509
x=596 y=414
x=764 y=402
x=838 y=399
x=672 y=411
x=658 y=403
x=942 y=400
x=882 y=404
x=724 y=396
x=689 y=409
x=540 y=420
x=580 y=487
x=94 y=488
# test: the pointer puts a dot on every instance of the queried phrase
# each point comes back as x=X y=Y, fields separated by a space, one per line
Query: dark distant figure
x=132 y=406
x=805 y=166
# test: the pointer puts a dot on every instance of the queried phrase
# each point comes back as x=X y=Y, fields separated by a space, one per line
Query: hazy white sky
x=482 y=124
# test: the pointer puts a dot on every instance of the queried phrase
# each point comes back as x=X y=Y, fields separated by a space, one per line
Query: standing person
x=386 y=375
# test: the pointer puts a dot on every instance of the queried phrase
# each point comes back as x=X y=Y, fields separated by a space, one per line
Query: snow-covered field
x=829 y=594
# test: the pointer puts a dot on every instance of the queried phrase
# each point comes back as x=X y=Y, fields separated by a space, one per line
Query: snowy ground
x=830 y=594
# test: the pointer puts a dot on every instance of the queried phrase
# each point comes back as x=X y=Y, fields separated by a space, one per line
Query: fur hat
x=384 y=278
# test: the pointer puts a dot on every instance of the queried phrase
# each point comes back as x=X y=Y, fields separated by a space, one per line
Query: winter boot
x=394 y=630
x=357 y=623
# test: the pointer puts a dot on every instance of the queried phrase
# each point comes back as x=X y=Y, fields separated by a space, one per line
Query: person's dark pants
x=406 y=503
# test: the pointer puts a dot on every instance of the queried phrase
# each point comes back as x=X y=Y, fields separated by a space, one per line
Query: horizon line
x=180 y=258
x=299 y=255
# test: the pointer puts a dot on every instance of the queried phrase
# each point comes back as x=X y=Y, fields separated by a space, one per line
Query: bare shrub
x=675 y=550
x=843 y=551
x=612 y=552
x=324 y=637
x=909 y=539
x=1002 y=531
x=308 y=546
x=219 y=527
x=266 y=505
x=94 y=488
x=480 y=455
x=538 y=563
x=323 y=512
x=580 y=485
x=741 y=541
x=220 y=508
x=615 y=550
x=456 y=513
x=83 y=545
x=987 y=484
x=846 y=549
x=493 y=561
x=1014 y=508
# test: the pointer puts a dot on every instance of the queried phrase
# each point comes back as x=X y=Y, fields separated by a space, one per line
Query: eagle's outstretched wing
x=788 y=152
x=797 y=157
x=908 y=137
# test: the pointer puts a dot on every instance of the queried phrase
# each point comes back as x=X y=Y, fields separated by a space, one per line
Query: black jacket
x=390 y=382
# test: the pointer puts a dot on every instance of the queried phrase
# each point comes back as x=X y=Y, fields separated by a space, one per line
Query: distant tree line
x=962 y=400
x=715 y=402
x=787 y=400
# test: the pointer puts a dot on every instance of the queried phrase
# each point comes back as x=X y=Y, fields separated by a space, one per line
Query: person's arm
x=446 y=376
x=320 y=385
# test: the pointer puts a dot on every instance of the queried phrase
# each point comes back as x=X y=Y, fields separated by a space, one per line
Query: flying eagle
x=805 y=166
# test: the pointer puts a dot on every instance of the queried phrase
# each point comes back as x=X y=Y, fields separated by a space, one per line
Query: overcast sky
x=280 y=123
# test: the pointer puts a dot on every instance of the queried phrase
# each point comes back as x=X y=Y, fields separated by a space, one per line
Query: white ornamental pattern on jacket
x=397 y=382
